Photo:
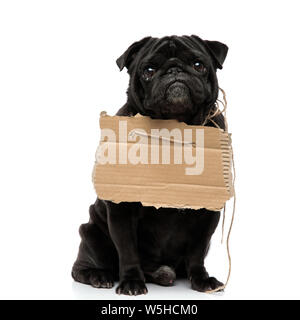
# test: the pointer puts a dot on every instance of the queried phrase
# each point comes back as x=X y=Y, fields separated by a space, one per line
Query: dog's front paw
x=205 y=284
x=132 y=287
x=95 y=277
x=99 y=279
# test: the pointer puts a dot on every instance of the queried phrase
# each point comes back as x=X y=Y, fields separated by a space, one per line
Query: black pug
x=170 y=78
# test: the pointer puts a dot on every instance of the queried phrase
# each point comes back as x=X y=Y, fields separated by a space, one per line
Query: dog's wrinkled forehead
x=168 y=46
x=181 y=47
x=173 y=47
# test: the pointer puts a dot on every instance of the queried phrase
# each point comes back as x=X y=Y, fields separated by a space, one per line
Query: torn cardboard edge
x=164 y=185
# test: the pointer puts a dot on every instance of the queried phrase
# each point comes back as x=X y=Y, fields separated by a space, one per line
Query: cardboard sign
x=162 y=163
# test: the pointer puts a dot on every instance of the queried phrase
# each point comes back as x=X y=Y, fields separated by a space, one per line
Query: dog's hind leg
x=97 y=260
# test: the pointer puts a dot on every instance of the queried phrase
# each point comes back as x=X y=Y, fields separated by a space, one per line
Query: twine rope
x=217 y=111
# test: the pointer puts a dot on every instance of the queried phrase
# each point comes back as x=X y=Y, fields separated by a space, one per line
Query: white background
x=58 y=71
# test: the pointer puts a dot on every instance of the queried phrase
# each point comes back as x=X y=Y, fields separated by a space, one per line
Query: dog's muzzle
x=177 y=92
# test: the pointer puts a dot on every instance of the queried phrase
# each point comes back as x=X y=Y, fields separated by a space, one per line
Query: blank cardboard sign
x=162 y=163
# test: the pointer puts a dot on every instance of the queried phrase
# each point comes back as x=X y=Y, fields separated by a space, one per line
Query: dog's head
x=173 y=77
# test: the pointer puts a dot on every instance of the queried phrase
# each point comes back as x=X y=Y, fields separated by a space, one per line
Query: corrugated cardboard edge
x=225 y=139
x=226 y=149
x=163 y=205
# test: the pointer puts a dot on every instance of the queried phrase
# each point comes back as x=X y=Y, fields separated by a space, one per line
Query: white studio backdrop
x=58 y=71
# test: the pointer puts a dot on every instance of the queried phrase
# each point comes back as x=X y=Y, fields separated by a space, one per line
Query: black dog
x=170 y=78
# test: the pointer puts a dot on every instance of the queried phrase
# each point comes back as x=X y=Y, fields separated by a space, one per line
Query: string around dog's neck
x=213 y=112
x=210 y=117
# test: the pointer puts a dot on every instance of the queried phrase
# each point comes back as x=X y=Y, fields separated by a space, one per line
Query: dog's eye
x=199 y=66
x=149 y=72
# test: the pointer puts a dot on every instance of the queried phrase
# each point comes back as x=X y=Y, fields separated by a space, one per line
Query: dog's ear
x=128 y=56
x=216 y=49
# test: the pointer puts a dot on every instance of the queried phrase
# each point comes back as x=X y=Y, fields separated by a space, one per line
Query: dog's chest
x=164 y=232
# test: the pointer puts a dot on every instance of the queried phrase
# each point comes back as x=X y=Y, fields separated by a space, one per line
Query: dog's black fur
x=170 y=78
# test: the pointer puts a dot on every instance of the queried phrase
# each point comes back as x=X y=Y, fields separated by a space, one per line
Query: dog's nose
x=174 y=70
